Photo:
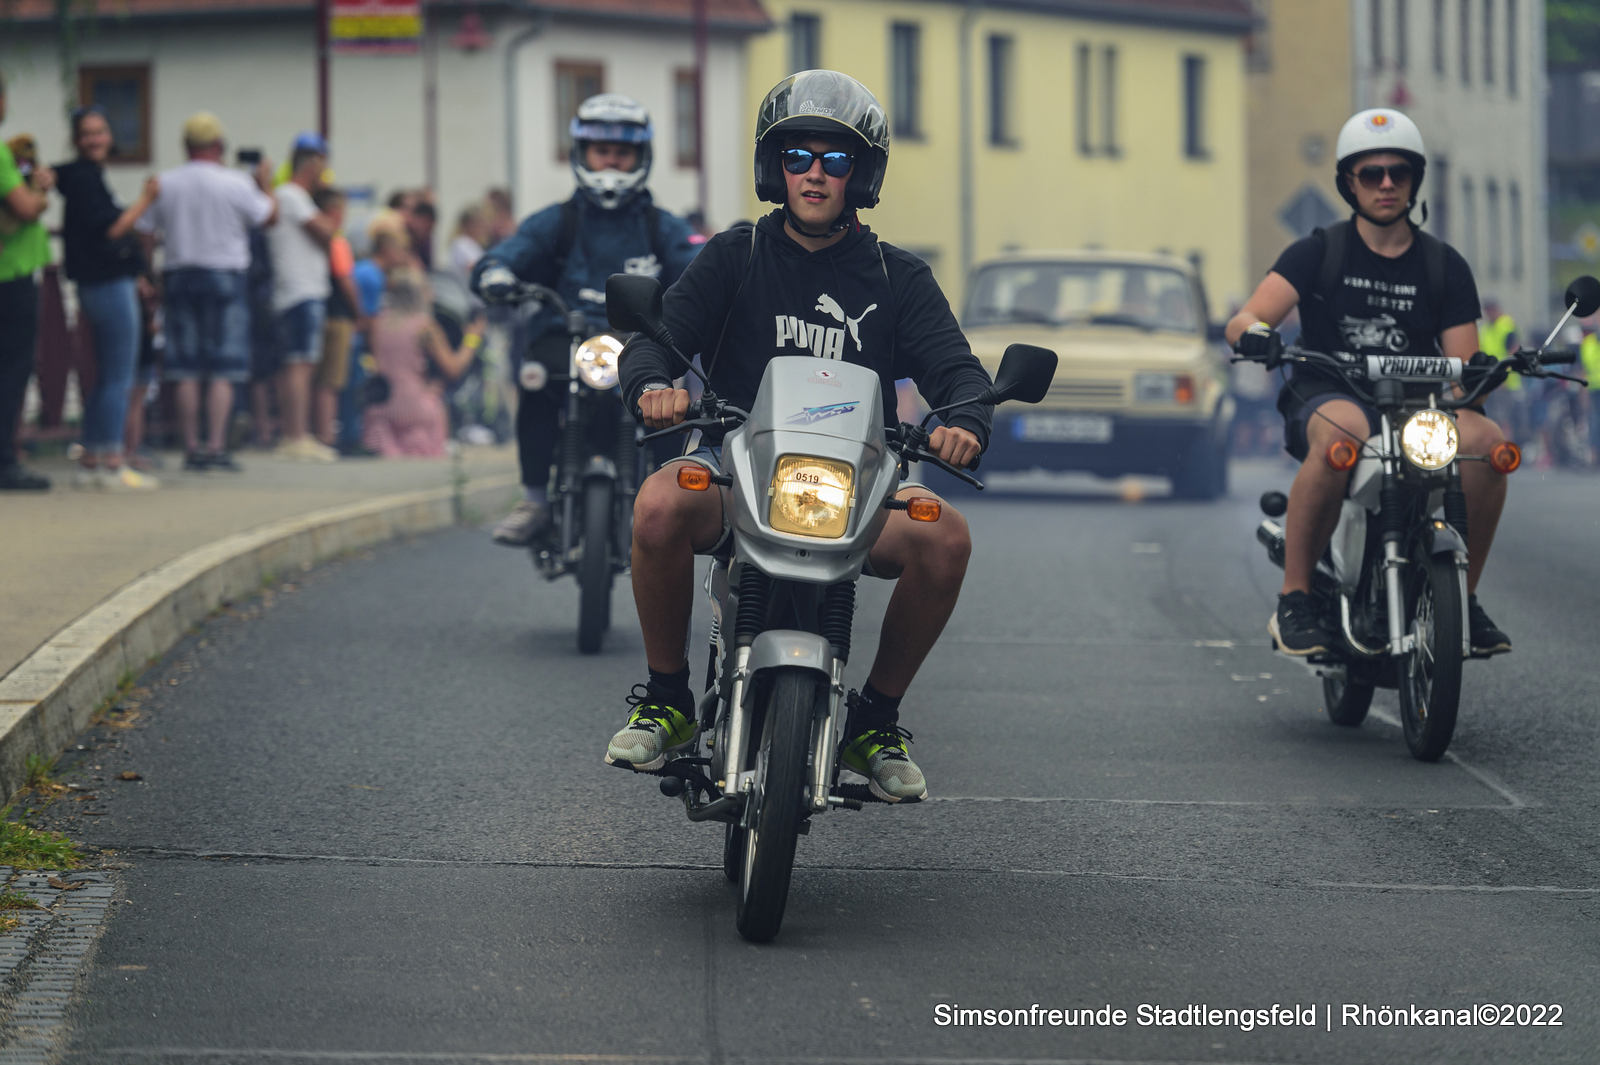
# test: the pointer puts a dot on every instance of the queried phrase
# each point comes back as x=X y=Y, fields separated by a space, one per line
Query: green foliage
x=29 y=848
x=1572 y=32
x=16 y=900
x=39 y=770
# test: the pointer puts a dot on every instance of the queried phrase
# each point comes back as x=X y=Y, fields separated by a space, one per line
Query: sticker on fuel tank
x=809 y=415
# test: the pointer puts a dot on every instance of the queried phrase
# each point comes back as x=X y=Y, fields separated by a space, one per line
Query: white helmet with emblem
x=1380 y=129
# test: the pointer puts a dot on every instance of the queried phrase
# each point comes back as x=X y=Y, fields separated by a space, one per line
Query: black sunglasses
x=1371 y=177
x=834 y=164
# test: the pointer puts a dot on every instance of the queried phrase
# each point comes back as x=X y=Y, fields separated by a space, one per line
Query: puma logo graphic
x=828 y=305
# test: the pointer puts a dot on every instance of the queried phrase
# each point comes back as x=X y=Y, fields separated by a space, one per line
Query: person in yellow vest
x=1589 y=356
x=1508 y=405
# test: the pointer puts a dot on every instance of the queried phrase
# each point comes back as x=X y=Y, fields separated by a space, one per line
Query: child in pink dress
x=412 y=422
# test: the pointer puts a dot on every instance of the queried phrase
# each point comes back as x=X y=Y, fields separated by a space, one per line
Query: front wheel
x=594 y=567
x=778 y=793
x=1430 y=676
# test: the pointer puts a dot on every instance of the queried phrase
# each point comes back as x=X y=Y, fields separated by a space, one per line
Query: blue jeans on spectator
x=300 y=331
x=353 y=400
x=112 y=310
x=208 y=325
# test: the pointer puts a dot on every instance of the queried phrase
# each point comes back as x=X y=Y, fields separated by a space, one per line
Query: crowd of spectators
x=239 y=289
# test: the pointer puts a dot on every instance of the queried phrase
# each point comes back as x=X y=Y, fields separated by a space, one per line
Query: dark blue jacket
x=607 y=242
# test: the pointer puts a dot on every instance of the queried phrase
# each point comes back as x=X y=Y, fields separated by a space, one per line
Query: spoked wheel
x=594 y=568
x=1348 y=698
x=1430 y=676
x=733 y=854
x=777 y=796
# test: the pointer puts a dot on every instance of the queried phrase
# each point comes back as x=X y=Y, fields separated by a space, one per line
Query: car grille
x=1086 y=393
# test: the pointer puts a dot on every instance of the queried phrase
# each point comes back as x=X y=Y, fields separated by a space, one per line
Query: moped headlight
x=596 y=361
x=1430 y=440
x=811 y=496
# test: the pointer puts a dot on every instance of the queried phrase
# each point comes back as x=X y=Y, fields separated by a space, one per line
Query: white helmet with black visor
x=611 y=117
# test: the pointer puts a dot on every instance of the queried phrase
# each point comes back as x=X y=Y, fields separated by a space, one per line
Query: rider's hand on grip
x=1261 y=343
x=956 y=446
x=497 y=284
x=662 y=408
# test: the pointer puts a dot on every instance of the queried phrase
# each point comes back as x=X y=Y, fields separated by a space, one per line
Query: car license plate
x=1063 y=428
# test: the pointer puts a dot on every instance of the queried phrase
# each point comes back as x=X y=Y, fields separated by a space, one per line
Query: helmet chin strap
x=843 y=222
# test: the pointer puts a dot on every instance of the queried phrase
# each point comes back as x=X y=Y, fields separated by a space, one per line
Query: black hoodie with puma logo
x=861 y=300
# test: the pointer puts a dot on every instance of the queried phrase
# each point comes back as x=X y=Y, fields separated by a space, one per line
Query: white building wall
x=260 y=79
x=1483 y=131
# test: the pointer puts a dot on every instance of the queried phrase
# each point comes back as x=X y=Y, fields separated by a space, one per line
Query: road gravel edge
x=50 y=697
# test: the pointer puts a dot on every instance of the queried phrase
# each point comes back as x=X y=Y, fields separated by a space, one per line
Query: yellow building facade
x=1043 y=124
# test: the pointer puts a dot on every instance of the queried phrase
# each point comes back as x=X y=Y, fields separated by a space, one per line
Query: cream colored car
x=1142 y=383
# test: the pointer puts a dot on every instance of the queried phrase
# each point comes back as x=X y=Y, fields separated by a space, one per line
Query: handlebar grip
x=1559 y=358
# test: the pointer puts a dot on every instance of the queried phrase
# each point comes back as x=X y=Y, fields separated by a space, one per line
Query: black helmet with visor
x=828 y=104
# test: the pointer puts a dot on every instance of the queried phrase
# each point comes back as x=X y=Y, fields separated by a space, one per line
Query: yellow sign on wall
x=392 y=26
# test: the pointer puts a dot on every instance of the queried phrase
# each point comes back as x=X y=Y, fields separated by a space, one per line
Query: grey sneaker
x=879 y=754
x=654 y=728
x=526 y=521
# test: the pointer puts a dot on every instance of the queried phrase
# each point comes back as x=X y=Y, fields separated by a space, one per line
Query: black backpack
x=1336 y=241
x=567 y=236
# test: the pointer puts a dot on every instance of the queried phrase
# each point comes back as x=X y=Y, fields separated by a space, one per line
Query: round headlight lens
x=1430 y=440
x=596 y=361
x=811 y=496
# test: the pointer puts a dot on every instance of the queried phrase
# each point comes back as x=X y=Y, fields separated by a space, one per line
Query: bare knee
x=941 y=550
x=667 y=517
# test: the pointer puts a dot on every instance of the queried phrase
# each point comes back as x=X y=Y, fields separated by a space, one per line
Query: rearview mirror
x=1583 y=296
x=633 y=303
x=1025 y=374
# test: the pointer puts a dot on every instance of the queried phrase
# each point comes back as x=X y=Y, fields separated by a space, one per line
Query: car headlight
x=596 y=361
x=1430 y=440
x=811 y=496
x=1163 y=388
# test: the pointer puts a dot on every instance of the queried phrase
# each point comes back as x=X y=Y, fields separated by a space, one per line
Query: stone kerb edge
x=49 y=698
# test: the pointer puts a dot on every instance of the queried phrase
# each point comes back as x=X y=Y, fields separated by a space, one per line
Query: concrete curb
x=49 y=698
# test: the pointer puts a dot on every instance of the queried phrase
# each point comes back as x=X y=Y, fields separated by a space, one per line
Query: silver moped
x=811 y=472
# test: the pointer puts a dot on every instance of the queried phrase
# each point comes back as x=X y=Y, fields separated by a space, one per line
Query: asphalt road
x=374 y=825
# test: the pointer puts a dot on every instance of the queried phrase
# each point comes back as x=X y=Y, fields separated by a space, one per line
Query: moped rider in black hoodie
x=808 y=277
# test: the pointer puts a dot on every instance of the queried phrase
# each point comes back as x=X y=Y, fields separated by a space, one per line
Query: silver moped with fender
x=812 y=473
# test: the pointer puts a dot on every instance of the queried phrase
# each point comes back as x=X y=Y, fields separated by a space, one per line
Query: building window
x=124 y=93
x=1375 y=26
x=1491 y=225
x=1488 y=42
x=686 y=107
x=905 y=72
x=1466 y=42
x=1085 y=101
x=1511 y=47
x=1002 y=60
x=1194 y=106
x=805 y=42
x=1438 y=37
x=1108 y=101
x=1514 y=217
x=575 y=83
x=1469 y=222
x=1402 y=35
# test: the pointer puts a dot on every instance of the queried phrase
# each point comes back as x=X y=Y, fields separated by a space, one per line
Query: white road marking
x=1482 y=776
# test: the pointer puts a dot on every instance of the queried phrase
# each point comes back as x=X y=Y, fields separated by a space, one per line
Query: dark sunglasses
x=834 y=164
x=1371 y=177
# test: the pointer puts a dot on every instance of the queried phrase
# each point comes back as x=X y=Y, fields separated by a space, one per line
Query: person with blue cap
x=610 y=226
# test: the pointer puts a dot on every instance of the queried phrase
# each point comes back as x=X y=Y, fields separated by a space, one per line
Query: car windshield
x=1069 y=294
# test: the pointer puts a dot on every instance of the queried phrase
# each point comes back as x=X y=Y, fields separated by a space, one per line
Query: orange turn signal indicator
x=694 y=478
x=921 y=508
x=1505 y=457
x=1343 y=455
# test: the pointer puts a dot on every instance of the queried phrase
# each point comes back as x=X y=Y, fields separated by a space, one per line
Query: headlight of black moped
x=596 y=361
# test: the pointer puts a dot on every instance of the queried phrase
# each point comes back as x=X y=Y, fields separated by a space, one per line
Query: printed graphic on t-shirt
x=1380 y=332
x=825 y=341
x=643 y=265
x=1383 y=295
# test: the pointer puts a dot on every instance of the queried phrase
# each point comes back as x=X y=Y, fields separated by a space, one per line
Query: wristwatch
x=653 y=386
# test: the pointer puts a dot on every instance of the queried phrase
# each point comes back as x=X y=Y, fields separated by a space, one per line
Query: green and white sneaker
x=653 y=729
x=879 y=754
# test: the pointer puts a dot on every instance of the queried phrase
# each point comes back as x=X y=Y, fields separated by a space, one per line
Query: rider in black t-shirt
x=1385 y=298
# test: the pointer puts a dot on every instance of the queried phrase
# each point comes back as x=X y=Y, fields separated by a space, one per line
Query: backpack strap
x=658 y=244
x=748 y=263
x=1433 y=263
x=1335 y=239
x=566 y=237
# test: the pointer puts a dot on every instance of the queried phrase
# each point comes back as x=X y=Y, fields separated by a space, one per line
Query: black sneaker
x=1486 y=638
x=197 y=462
x=1296 y=628
x=16 y=478
x=223 y=460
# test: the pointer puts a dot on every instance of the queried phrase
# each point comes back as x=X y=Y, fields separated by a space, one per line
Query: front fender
x=787 y=647
x=1441 y=538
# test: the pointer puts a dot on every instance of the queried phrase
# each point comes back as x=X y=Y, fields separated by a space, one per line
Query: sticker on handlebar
x=1413 y=368
x=809 y=415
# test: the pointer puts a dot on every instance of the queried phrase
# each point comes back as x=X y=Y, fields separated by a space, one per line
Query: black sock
x=673 y=687
x=873 y=710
